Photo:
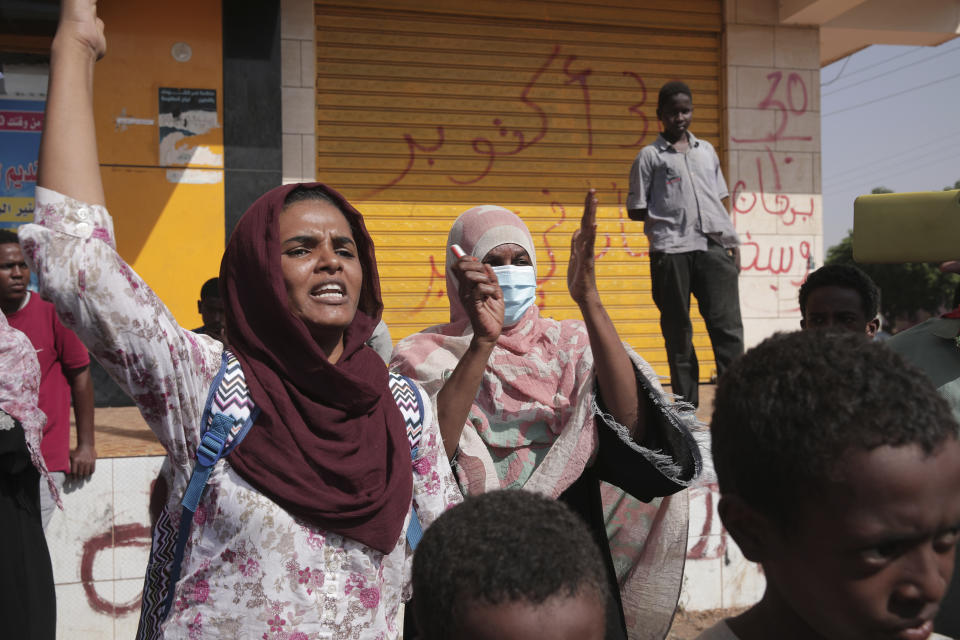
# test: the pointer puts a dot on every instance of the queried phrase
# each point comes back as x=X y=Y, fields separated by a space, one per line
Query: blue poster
x=21 y=122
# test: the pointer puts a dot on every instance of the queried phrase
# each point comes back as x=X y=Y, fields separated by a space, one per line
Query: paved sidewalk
x=121 y=433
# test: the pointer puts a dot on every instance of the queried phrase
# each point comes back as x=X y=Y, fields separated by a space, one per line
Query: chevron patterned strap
x=407 y=397
x=230 y=397
x=408 y=400
x=227 y=417
x=157 y=579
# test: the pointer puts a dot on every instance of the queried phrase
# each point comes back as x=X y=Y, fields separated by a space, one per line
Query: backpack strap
x=226 y=419
x=408 y=399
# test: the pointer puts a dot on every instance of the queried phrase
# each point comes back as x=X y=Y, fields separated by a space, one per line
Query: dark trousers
x=711 y=276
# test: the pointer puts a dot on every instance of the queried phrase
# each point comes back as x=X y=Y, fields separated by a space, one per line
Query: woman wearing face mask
x=562 y=408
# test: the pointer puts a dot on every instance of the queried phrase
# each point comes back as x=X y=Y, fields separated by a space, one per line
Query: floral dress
x=250 y=569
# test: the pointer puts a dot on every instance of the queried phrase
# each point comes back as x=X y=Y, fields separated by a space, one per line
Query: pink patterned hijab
x=531 y=424
x=477 y=231
x=19 y=390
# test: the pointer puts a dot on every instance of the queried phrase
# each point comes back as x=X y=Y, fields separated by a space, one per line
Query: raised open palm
x=581 y=277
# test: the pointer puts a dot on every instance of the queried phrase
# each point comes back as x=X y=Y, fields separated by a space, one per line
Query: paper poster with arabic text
x=21 y=123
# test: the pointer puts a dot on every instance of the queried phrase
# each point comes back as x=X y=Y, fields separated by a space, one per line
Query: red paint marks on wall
x=745 y=202
x=412 y=148
x=776 y=260
x=791 y=100
x=635 y=109
x=710 y=543
x=503 y=141
x=434 y=290
x=127 y=535
x=623 y=219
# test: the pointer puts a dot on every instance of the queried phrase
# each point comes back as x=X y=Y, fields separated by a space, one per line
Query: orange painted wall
x=170 y=232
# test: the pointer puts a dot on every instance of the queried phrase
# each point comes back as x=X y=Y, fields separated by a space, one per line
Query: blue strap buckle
x=208 y=452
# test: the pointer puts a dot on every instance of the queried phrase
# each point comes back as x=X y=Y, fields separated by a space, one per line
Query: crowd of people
x=309 y=490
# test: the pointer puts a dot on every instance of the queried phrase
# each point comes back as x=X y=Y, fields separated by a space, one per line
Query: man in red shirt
x=64 y=371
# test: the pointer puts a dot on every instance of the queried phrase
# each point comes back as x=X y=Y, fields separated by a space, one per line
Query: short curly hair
x=787 y=412
x=848 y=277
x=670 y=89
x=498 y=547
x=8 y=237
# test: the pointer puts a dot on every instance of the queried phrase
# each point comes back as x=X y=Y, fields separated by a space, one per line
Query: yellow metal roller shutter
x=426 y=109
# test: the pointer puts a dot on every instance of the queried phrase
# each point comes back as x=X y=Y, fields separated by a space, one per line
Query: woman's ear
x=750 y=529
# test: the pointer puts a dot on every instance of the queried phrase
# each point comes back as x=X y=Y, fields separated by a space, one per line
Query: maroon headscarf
x=330 y=444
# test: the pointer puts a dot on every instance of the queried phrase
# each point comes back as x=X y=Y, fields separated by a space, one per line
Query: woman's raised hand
x=79 y=23
x=481 y=297
x=581 y=277
x=68 y=148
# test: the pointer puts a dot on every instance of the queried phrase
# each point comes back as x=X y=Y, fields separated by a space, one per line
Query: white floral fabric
x=250 y=569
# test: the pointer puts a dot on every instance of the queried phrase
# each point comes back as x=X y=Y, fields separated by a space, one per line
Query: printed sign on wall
x=21 y=123
x=184 y=113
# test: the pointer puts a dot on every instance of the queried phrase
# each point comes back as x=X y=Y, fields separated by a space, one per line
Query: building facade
x=418 y=110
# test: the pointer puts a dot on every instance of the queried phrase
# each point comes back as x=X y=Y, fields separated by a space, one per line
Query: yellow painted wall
x=172 y=233
x=525 y=104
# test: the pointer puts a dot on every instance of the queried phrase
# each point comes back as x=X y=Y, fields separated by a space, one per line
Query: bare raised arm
x=68 y=150
x=615 y=374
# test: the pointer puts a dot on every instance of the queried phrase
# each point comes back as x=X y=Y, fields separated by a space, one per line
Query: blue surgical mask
x=519 y=286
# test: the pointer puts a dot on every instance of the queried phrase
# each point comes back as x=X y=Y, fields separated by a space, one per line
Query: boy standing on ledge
x=677 y=189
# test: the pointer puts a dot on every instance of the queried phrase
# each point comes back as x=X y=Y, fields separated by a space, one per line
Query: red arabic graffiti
x=621 y=210
x=435 y=276
x=484 y=147
x=635 y=109
x=777 y=260
x=561 y=212
x=581 y=78
x=782 y=204
x=412 y=147
x=506 y=141
x=793 y=105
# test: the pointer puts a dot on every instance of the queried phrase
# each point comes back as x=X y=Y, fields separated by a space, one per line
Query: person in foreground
x=302 y=528
x=509 y=565
x=839 y=472
x=561 y=408
x=28 y=604
x=932 y=347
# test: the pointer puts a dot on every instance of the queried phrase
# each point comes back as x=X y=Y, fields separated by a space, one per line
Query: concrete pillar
x=298 y=77
x=772 y=119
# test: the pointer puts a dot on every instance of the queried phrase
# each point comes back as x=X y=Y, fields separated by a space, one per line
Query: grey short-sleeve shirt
x=682 y=194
